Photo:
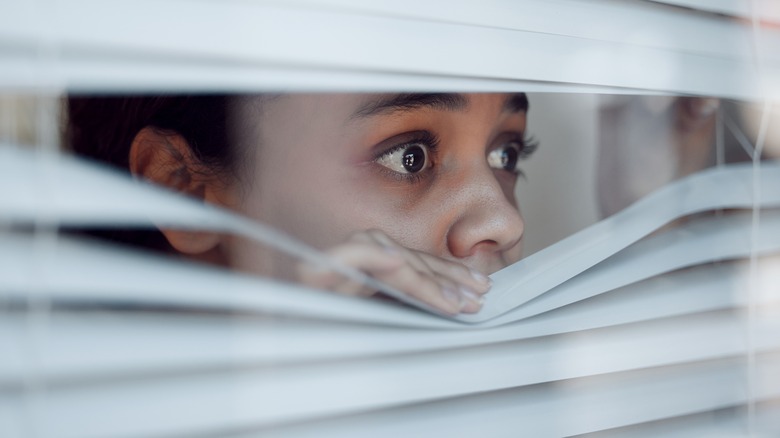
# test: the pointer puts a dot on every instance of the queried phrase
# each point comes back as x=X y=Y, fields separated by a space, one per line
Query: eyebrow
x=411 y=101
x=514 y=103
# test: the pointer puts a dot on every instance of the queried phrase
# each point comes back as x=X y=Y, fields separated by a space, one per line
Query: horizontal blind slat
x=640 y=24
x=228 y=350
x=579 y=406
x=183 y=405
x=260 y=37
x=269 y=339
x=702 y=240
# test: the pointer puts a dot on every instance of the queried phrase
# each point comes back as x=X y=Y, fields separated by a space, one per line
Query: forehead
x=357 y=106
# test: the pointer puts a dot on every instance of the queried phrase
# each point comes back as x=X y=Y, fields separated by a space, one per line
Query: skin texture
x=322 y=173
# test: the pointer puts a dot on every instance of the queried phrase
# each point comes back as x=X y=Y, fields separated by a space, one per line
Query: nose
x=489 y=224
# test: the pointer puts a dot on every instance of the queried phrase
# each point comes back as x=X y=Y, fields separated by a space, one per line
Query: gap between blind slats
x=70 y=192
x=536 y=274
x=702 y=240
x=82 y=273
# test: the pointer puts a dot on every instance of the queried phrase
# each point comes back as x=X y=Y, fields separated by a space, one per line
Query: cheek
x=316 y=194
x=302 y=203
x=323 y=205
x=416 y=231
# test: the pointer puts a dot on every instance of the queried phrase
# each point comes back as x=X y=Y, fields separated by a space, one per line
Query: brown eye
x=505 y=157
x=410 y=158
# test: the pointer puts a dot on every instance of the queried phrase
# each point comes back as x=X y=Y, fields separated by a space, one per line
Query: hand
x=446 y=285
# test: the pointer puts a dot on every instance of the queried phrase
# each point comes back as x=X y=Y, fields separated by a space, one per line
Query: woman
x=416 y=190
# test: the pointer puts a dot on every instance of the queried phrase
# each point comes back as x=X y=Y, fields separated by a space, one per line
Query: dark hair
x=102 y=128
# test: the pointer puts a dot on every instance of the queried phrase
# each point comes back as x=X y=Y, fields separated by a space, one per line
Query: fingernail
x=472 y=296
x=482 y=278
x=453 y=297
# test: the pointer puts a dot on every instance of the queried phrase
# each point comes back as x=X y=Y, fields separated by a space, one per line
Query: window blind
x=607 y=333
x=229 y=372
x=635 y=47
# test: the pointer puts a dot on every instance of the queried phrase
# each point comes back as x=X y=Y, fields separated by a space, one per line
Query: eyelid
x=396 y=142
x=528 y=144
x=386 y=148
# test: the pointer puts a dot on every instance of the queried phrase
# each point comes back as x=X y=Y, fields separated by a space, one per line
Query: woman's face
x=436 y=172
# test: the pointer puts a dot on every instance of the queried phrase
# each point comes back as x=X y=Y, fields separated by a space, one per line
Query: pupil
x=414 y=159
x=509 y=159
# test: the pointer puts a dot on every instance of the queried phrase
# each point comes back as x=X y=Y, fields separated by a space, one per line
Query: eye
x=510 y=152
x=406 y=159
x=506 y=156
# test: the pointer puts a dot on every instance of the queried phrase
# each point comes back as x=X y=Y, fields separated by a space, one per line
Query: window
x=646 y=301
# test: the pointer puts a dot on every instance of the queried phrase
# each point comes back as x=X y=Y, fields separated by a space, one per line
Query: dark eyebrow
x=516 y=103
x=411 y=101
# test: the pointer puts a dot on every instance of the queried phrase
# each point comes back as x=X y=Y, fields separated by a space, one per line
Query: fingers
x=441 y=293
x=472 y=279
x=365 y=256
x=468 y=282
x=444 y=284
x=448 y=286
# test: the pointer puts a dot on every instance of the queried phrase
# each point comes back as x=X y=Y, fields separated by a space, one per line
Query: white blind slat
x=616 y=46
x=223 y=339
x=640 y=24
x=213 y=404
x=570 y=408
x=608 y=333
x=217 y=346
x=702 y=241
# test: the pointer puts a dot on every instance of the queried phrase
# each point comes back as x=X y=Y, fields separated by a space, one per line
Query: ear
x=166 y=159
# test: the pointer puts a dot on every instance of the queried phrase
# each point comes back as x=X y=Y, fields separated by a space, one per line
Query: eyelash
x=426 y=138
x=528 y=145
